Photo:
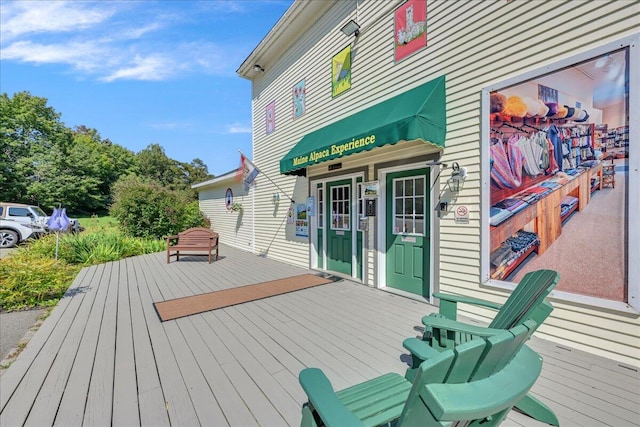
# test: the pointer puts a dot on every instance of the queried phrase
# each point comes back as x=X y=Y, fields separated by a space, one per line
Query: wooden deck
x=103 y=357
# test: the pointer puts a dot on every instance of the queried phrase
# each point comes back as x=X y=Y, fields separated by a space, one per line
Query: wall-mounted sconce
x=351 y=28
x=258 y=69
x=458 y=175
x=454 y=184
x=275 y=198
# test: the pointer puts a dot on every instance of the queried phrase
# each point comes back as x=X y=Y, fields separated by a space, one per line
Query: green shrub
x=93 y=247
x=27 y=281
x=32 y=277
x=151 y=211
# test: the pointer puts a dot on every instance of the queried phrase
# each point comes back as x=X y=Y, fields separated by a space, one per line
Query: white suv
x=18 y=222
x=12 y=233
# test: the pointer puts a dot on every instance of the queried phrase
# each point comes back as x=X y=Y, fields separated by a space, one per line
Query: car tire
x=8 y=239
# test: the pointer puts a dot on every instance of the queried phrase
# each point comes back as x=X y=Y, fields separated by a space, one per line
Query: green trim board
x=418 y=114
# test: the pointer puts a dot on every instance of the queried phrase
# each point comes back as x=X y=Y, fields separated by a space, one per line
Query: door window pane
x=340 y=207
x=409 y=200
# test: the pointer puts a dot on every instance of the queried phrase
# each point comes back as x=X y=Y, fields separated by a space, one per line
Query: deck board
x=103 y=356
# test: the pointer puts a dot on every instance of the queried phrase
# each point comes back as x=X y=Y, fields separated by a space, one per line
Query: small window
x=21 y=212
x=340 y=208
x=409 y=202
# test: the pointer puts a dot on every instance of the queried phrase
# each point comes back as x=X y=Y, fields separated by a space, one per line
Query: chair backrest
x=480 y=378
x=525 y=299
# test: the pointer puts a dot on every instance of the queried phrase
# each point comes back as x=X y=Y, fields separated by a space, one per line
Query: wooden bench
x=197 y=241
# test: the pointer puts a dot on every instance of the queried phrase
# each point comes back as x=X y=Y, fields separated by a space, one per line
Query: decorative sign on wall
x=302 y=220
x=311 y=206
x=341 y=72
x=228 y=198
x=410 y=33
x=547 y=94
x=299 y=99
x=271 y=117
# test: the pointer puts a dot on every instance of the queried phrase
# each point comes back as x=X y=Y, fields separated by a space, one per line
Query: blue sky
x=142 y=72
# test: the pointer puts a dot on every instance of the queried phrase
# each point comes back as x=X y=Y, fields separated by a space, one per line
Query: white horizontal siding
x=234 y=228
x=474 y=44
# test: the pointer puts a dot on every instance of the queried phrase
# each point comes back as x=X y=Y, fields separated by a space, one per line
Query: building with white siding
x=453 y=146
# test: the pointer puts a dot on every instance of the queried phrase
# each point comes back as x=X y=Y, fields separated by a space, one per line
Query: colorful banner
x=410 y=33
x=299 y=99
x=271 y=117
x=341 y=72
x=248 y=172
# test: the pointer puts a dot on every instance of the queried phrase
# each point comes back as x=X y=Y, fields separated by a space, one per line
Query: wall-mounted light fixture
x=458 y=175
x=275 y=198
x=258 y=69
x=454 y=185
x=351 y=28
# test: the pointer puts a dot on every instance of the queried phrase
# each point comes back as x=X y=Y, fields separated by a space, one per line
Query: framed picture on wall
x=341 y=72
x=270 y=117
x=299 y=98
x=410 y=29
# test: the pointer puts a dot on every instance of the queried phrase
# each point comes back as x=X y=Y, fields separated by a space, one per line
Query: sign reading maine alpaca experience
x=410 y=33
x=341 y=72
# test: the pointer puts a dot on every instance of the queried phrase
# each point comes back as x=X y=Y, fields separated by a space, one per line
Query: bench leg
x=537 y=410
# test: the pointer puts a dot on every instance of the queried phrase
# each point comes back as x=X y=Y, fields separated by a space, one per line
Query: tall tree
x=153 y=164
x=28 y=127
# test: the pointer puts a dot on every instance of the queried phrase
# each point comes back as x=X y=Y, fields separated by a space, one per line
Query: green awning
x=415 y=115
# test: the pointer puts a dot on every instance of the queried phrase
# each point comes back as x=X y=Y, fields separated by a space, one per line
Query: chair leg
x=537 y=410
x=308 y=420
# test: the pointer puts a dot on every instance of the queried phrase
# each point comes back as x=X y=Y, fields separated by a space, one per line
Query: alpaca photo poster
x=410 y=33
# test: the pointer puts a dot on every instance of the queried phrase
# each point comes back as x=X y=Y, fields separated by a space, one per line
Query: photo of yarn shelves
x=539 y=177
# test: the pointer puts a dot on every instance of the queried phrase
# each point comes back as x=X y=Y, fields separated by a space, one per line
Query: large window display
x=557 y=153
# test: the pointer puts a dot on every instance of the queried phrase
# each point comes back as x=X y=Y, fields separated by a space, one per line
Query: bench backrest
x=196 y=236
x=484 y=377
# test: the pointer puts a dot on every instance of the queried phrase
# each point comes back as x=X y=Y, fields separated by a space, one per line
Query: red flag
x=241 y=168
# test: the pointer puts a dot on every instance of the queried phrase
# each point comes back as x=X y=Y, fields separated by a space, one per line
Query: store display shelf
x=507 y=272
x=568 y=213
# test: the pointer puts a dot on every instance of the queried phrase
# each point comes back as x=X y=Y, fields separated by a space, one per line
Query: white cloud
x=155 y=67
x=239 y=128
x=24 y=17
x=79 y=55
x=113 y=41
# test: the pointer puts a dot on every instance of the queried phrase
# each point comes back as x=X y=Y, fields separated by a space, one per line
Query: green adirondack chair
x=478 y=382
x=527 y=302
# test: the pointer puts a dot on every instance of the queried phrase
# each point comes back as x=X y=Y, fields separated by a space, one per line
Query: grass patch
x=33 y=277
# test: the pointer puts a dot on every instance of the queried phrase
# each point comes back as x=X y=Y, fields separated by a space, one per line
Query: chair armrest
x=448 y=303
x=169 y=238
x=324 y=400
x=419 y=349
x=437 y=322
x=479 y=399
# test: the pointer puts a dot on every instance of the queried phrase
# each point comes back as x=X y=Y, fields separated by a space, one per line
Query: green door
x=407 y=231
x=338 y=226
